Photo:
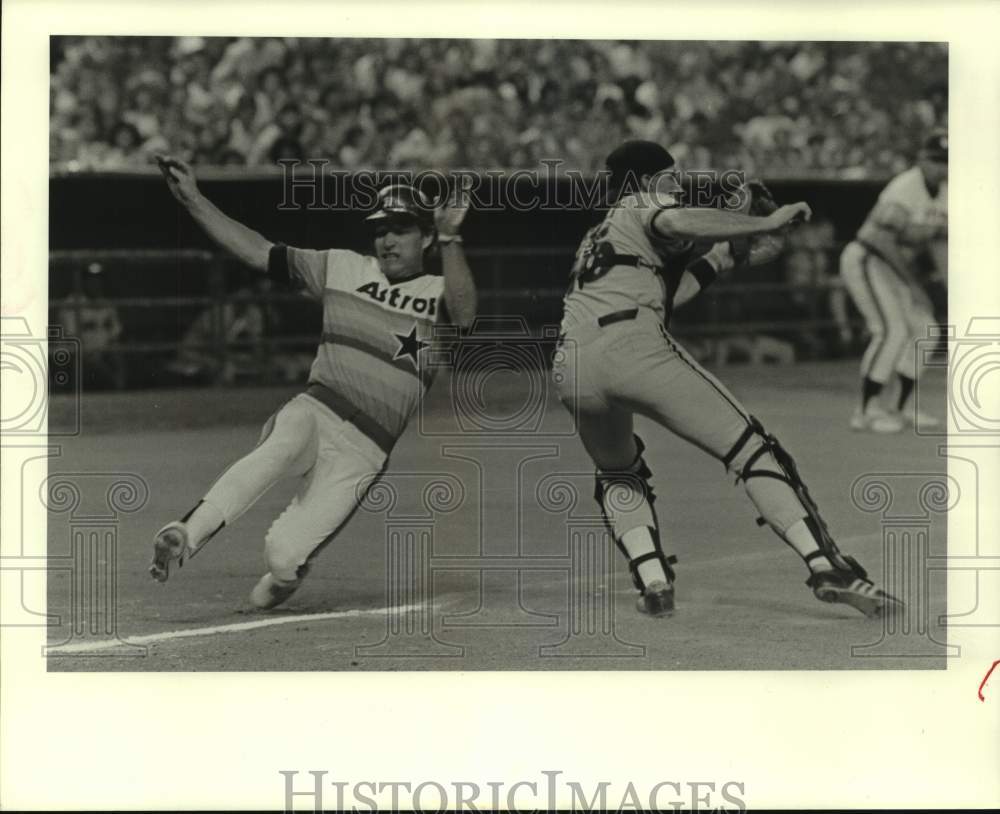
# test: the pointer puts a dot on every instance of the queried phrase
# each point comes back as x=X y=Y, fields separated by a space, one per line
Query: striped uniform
x=366 y=382
x=877 y=269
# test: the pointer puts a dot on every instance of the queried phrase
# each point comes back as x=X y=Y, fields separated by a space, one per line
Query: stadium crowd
x=843 y=109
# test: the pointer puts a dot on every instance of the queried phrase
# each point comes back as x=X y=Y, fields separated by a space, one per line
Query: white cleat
x=172 y=542
x=269 y=592
x=876 y=419
x=920 y=420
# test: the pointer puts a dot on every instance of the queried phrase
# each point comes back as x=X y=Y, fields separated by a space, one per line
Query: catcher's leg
x=287 y=447
x=772 y=481
x=347 y=465
x=678 y=393
x=625 y=495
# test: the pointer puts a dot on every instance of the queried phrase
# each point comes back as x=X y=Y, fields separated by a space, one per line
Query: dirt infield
x=486 y=554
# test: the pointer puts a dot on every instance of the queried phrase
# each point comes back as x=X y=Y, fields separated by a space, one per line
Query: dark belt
x=615 y=259
x=617 y=316
x=347 y=411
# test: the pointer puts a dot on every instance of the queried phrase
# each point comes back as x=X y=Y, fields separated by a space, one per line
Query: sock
x=202 y=522
x=801 y=539
x=905 y=388
x=869 y=390
x=639 y=541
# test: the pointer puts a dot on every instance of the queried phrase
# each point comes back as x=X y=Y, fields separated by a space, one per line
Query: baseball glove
x=759 y=249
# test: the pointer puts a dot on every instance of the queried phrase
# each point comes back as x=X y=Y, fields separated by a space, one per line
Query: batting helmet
x=633 y=159
x=404 y=201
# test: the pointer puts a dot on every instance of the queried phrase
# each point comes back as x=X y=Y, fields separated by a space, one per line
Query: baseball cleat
x=170 y=543
x=657 y=599
x=847 y=588
x=920 y=420
x=876 y=419
x=269 y=592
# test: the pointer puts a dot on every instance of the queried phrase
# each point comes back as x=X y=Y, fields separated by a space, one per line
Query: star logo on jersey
x=409 y=345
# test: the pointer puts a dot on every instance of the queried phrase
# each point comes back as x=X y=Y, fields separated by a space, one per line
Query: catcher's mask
x=405 y=203
x=631 y=160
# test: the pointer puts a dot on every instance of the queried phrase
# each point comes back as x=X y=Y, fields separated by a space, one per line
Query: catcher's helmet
x=935 y=146
x=633 y=159
x=404 y=201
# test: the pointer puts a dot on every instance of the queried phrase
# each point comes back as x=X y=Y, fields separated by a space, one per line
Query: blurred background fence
x=153 y=304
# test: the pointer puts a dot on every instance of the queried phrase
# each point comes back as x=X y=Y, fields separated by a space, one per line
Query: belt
x=617 y=316
x=615 y=259
x=868 y=247
x=344 y=409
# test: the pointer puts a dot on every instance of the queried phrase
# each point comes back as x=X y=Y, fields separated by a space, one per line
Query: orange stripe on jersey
x=404 y=358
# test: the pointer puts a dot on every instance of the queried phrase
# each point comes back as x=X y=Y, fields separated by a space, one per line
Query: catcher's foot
x=876 y=419
x=270 y=592
x=657 y=599
x=847 y=588
x=170 y=543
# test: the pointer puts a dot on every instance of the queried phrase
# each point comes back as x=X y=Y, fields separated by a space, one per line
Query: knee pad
x=758 y=454
x=626 y=499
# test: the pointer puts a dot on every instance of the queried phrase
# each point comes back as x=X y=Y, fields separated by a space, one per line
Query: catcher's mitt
x=758 y=201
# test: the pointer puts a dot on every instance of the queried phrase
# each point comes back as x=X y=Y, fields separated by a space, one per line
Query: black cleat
x=657 y=599
x=847 y=588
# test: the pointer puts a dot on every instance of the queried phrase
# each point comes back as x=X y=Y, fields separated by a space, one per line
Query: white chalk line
x=212 y=630
x=239 y=627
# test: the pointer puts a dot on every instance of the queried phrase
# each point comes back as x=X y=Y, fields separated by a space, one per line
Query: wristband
x=277 y=264
x=443 y=239
x=703 y=271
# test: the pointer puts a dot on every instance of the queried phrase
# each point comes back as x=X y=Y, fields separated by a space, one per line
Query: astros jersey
x=907 y=217
x=597 y=289
x=375 y=332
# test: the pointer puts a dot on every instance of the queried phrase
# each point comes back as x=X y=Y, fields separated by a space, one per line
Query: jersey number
x=593 y=259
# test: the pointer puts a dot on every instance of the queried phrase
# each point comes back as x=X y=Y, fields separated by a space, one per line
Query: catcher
x=647 y=257
x=366 y=381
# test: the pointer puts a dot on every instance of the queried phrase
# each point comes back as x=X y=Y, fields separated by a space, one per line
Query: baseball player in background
x=365 y=383
x=617 y=359
x=879 y=271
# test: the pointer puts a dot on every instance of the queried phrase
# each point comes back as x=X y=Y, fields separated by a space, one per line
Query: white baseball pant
x=895 y=311
x=336 y=462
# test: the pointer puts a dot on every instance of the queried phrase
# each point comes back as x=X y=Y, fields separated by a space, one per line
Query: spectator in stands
x=816 y=292
x=88 y=316
x=238 y=327
x=847 y=108
x=125 y=147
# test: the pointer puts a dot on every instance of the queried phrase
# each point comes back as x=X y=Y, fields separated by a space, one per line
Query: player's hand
x=179 y=177
x=789 y=214
x=451 y=211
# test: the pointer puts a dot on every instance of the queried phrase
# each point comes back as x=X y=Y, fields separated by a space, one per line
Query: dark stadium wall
x=118 y=211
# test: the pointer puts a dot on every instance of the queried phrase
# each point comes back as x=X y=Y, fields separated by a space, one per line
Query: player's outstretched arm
x=459 y=287
x=715 y=224
x=242 y=241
